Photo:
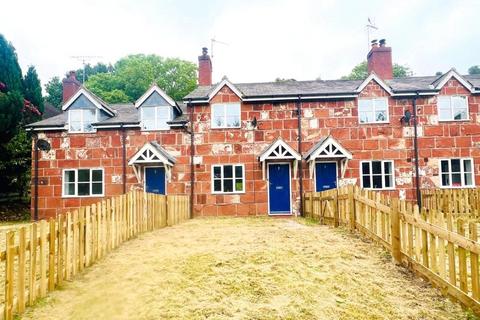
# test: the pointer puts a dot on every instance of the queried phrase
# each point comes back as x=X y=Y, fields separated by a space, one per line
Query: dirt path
x=246 y=269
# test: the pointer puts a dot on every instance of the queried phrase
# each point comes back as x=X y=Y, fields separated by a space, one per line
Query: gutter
x=35 y=179
x=192 y=157
x=124 y=158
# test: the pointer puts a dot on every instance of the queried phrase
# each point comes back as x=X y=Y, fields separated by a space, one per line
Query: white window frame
x=374 y=110
x=226 y=105
x=462 y=173
x=64 y=195
x=222 y=166
x=450 y=97
x=157 y=126
x=383 y=174
x=81 y=121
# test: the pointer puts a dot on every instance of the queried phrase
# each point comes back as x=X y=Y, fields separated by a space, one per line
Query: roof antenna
x=370 y=27
x=84 y=60
x=214 y=41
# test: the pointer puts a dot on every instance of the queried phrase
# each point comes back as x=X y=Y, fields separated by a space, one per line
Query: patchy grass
x=14 y=211
x=247 y=268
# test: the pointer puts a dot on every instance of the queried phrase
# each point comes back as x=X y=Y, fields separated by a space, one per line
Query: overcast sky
x=266 y=39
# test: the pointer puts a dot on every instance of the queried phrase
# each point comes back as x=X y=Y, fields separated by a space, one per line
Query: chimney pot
x=379 y=60
x=204 y=68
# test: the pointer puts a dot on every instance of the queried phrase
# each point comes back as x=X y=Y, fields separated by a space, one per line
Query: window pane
x=218 y=115
x=366 y=117
x=387 y=167
x=388 y=181
x=380 y=104
x=238 y=171
x=217 y=172
x=233 y=115
x=84 y=189
x=97 y=175
x=149 y=124
x=365 y=168
x=460 y=108
x=89 y=117
x=468 y=179
x=84 y=175
x=227 y=171
x=239 y=185
x=456 y=179
x=381 y=116
x=96 y=188
x=445 y=114
x=233 y=121
x=376 y=167
x=228 y=185
x=377 y=182
x=366 y=181
x=69 y=176
x=148 y=113
x=217 y=185
x=70 y=189
x=75 y=126
x=444 y=166
x=445 y=180
x=455 y=165
x=467 y=165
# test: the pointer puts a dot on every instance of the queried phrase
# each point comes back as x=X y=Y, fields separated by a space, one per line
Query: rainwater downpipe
x=192 y=156
x=124 y=156
x=300 y=164
x=415 y=149
x=35 y=179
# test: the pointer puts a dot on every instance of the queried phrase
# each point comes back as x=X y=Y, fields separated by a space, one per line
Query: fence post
x=9 y=285
x=351 y=202
x=395 y=231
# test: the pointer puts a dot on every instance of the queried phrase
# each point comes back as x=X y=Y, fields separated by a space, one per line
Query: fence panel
x=40 y=257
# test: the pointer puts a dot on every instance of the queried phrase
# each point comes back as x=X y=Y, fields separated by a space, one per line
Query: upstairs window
x=456 y=173
x=226 y=115
x=373 y=110
x=377 y=174
x=156 y=118
x=82 y=182
x=81 y=120
x=228 y=178
x=451 y=108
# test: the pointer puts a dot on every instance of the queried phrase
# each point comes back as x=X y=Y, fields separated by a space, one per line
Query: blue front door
x=279 y=188
x=155 y=180
x=326 y=175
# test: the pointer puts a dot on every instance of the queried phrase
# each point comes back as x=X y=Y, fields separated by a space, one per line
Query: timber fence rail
x=458 y=202
x=432 y=246
x=39 y=257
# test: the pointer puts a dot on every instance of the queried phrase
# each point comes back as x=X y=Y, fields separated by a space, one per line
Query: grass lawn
x=247 y=268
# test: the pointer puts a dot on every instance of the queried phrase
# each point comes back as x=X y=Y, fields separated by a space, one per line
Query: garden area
x=247 y=268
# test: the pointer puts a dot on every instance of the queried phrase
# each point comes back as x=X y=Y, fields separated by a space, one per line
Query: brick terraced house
x=253 y=148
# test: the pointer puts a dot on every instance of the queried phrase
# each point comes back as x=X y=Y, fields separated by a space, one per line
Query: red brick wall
x=339 y=118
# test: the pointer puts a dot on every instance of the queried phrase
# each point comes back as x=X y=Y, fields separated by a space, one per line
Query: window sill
x=224 y=128
x=367 y=123
x=459 y=187
x=167 y=129
x=82 y=132
x=92 y=196
x=381 y=189
x=228 y=193
x=453 y=120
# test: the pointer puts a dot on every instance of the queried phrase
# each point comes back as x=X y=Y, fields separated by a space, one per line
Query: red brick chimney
x=204 y=68
x=70 y=85
x=380 y=60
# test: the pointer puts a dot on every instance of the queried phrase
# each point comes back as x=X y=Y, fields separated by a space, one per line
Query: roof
x=252 y=91
x=327 y=147
x=124 y=114
x=152 y=152
x=49 y=111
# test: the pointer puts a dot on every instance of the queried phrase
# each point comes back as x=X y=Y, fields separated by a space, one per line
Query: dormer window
x=82 y=114
x=374 y=110
x=225 y=115
x=156 y=118
x=452 y=108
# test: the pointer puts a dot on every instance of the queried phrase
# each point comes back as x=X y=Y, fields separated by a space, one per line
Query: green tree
x=134 y=74
x=360 y=71
x=474 y=70
x=54 y=91
x=33 y=88
x=11 y=98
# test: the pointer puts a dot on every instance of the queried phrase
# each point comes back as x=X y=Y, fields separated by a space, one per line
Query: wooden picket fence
x=39 y=257
x=426 y=242
x=459 y=202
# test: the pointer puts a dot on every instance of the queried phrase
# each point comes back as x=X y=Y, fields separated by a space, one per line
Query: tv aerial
x=84 y=60
x=214 y=41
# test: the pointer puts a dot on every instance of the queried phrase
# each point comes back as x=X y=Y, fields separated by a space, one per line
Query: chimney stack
x=70 y=85
x=380 y=60
x=204 y=68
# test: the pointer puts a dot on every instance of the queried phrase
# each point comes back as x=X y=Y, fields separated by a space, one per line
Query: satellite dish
x=43 y=145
